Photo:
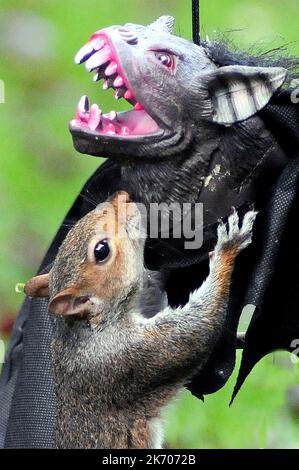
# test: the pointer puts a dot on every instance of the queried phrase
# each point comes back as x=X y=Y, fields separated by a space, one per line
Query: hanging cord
x=196 y=21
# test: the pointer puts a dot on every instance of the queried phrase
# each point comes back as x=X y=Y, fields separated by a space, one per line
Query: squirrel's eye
x=165 y=59
x=102 y=251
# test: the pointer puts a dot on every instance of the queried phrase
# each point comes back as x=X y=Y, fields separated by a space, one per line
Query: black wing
x=274 y=287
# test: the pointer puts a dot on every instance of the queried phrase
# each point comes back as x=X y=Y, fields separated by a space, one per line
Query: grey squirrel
x=113 y=368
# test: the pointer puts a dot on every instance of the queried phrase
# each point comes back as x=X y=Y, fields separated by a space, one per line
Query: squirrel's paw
x=235 y=236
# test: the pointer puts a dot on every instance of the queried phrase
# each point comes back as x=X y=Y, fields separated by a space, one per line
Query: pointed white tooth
x=111 y=69
x=97 y=43
x=83 y=105
x=98 y=58
x=83 y=54
x=95 y=117
x=105 y=85
x=118 y=82
x=96 y=77
x=112 y=115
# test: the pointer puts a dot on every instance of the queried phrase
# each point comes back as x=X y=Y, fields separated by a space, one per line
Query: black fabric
x=10 y=370
x=263 y=276
x=32 y=409
x=259 y=278
x=273 y=284
x=274 y=289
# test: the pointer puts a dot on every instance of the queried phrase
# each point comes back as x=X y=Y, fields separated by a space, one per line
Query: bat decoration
x=204 y=125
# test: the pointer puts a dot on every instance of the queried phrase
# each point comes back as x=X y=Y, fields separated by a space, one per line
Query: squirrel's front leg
x=181 y=339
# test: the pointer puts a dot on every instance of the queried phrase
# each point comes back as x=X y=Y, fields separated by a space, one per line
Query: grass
x=260 y=417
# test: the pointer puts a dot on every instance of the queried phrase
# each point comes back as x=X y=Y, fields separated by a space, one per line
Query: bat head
x=175 y=88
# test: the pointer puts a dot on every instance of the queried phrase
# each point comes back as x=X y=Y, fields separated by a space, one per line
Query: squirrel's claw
x=235 y=236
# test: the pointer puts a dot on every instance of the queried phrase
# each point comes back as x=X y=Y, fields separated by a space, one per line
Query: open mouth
x=100 y=58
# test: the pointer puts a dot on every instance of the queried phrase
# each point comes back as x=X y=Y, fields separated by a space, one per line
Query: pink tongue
x=139 y=122
x=127 y=123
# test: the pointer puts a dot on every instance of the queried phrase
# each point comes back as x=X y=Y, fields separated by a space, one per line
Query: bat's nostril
x=128 y=35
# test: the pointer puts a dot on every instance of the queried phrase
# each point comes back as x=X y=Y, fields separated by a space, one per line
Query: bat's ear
x=234 y=93
x=38 y=286
x=70 y=302
x=164 y=24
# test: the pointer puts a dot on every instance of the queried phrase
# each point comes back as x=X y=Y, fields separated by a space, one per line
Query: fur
x=110 y=383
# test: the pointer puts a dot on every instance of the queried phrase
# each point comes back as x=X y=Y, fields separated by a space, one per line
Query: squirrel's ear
x=68 y=302
x=38 y=286
x=234 y=93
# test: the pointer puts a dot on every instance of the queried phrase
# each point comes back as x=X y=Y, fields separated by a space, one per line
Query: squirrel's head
x=99 y=264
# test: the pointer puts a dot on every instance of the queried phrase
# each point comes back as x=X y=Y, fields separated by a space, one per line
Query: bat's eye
x=165 y=59
x=102 y=251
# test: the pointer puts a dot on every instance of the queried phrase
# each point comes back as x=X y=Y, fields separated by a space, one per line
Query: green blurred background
x=41 y=174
